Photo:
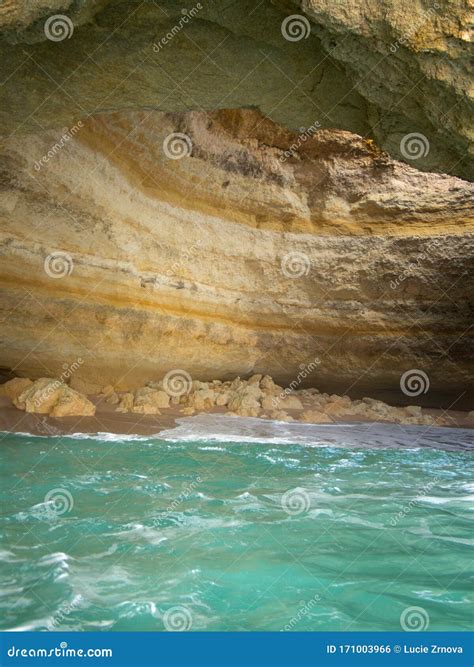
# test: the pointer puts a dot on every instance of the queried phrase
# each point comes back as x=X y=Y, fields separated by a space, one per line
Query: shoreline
x=108 y=420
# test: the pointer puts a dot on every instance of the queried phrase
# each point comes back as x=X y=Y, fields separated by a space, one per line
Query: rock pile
x=260 y=396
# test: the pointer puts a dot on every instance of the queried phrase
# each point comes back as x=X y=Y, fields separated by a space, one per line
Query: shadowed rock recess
x=281 y=227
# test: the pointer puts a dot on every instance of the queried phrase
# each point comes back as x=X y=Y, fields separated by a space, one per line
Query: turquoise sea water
x=334 y=531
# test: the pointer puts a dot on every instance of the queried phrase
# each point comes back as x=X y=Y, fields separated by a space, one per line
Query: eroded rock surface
x=381 y=68
x=256 y=252
x=47 y=396
x=286 y=237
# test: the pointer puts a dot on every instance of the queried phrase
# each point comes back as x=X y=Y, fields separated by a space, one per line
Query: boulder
x=84 y=386
x=13 y=388
x=126 y=403
x=269 y=387
x=113 y=399
x=153 y=398
x=72 y=404
x=197 y=385
x=40 y=397
x=146 y=409
x=107 y=391
x=53 y=397
x=291 y=403
x=223 y=399
x=203 y=399
x=283 y=402
x=246 y=398
x=281 y=415
x=270 y=403
x=413 y=411
x=248 y=412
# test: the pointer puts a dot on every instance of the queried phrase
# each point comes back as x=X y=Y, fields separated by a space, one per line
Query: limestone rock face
x=411 y=57
x=320 y=261
x=227 y=201
x=380 y=68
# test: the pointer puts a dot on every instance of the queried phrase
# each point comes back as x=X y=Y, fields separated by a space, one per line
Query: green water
x=149 y=534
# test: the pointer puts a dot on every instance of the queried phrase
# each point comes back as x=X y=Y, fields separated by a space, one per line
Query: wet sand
x=107 y=420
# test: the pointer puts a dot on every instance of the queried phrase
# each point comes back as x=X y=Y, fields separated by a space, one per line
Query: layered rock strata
x=259 y=250
x=383 y=68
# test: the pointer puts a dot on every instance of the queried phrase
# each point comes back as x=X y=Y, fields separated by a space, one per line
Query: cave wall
x=231 y=201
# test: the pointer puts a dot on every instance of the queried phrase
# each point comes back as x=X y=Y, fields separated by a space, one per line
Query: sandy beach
x=108 y=420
